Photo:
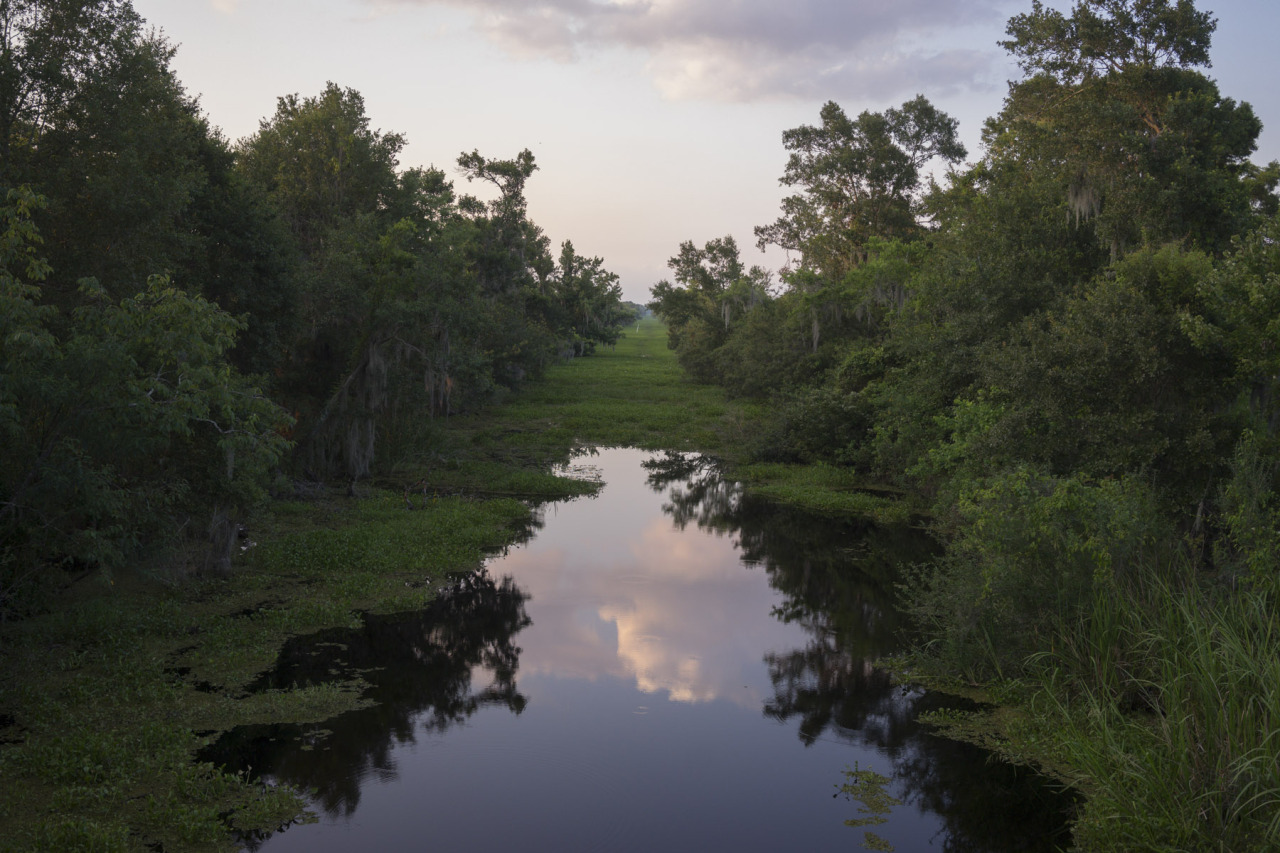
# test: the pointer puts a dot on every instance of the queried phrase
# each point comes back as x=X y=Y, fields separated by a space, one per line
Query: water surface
x=669 y=665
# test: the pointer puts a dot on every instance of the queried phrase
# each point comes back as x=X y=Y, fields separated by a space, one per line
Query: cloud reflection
x=674 y=612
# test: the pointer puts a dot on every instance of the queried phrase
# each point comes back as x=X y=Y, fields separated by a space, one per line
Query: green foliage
x=384 y=538
x=764 y=353
x=812 y=424
x=1142 y=144
x=1031 y=553
x=1199 y=771
x=966 y=452
x=827 y=489
x=135 y=181
x=50 y=53
x=1249 y=512
x=70 y=834
x=587 y=299
x=245 y=261
x=867 y=788
x=121 y=422
x=1110 y=384
x=1237 y=310
x=320 y=161
x=713 y=294
x=857 y=180
x=98 y=124
x=414 y=303
x=1104 y=36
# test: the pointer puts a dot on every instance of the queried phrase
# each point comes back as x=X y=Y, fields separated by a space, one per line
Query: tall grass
x=1169 y=703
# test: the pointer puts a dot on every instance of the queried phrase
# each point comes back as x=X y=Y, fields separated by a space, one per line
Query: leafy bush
x=122 y=423
x=818 y=423
x=1032 y=552
x=1250 y=517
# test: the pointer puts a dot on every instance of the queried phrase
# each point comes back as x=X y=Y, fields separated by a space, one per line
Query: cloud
x=227 y=7
x=746 y=50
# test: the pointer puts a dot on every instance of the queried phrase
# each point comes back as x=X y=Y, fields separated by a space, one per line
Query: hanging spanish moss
x=884 y=294
x=344 y=439
x=1084 y=199
x=223 y=533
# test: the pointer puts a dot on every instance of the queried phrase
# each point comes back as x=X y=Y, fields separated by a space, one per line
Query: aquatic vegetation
x=108 y=700
x=867 y=788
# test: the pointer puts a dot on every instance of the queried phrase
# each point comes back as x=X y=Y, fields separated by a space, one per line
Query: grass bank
x=105 y=701
x=1162 y=705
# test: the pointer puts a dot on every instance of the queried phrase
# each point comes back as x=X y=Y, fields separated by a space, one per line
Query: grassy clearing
x=633 y=395
x=104 y=702
x=826 y=489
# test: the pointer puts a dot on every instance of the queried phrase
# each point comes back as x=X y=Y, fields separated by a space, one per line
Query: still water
x=670 y=665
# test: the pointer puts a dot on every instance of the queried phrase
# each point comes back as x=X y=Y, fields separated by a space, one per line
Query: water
x=669 y=665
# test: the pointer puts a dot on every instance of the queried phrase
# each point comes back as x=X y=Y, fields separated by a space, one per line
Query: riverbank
x=105 y=700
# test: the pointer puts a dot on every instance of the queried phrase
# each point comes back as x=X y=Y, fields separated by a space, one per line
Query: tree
x=135 y=180
x=122 y=422
x=590 y=298
x=333 y=180
x=50 y=52
x=1116 y=145
x=510 y=245
x=95 y=121
x=1104 y=37
x=244 y=259
x=321 y=163
x=1110 y=383
x=858 y=179
x=713 y=290
x=1139 y=140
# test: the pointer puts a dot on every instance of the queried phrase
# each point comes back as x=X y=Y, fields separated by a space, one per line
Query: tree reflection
x=837 y=574
x=698 y=492
x=420 y=667
x=837 y=579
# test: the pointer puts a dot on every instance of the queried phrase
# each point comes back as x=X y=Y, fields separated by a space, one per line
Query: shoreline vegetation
x=106 y=699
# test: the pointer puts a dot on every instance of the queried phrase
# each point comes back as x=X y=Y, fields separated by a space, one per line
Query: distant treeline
x=182 y=317
x=1071 y=347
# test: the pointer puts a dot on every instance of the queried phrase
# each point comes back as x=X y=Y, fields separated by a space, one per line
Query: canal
x=669 y=665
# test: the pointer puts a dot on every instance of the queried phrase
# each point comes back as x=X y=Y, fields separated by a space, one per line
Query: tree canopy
x=188 y=321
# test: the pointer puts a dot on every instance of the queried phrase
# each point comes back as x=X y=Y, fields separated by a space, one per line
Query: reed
x=1168 y=700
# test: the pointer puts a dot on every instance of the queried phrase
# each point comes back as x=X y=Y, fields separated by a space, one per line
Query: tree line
x=1068 y=347
x=183 y=317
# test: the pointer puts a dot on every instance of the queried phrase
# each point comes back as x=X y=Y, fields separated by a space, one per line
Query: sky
x=652 y=121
